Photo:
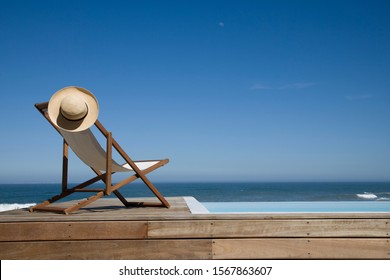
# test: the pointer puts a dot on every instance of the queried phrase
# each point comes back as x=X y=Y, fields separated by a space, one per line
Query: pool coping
x=195 y=206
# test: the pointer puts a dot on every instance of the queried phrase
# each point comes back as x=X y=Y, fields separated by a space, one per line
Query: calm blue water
x=218 y=192
x=299 y=207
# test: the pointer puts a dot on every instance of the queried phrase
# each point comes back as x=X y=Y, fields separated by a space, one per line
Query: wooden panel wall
x=198 y=239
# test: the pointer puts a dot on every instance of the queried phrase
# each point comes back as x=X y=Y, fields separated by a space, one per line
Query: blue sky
x=228 y=90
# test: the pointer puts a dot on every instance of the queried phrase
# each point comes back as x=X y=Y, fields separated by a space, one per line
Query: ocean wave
x=14 y=206
x=367 y=195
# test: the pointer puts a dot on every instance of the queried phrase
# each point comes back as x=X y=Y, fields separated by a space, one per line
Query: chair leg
x=84 y=202
x=136 y=204
x=108 y=164
x=67 y=210
x=44 y=206
x=65 y=149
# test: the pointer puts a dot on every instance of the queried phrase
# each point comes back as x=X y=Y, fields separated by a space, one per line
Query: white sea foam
x=14 y=206
x=367 y=195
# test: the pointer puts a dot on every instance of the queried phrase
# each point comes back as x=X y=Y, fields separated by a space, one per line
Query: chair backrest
x=85 y=145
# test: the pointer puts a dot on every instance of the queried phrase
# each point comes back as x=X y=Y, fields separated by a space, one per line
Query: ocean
x=13 y=196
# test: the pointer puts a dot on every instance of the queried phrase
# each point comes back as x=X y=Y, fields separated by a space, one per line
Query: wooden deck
x=107 y=230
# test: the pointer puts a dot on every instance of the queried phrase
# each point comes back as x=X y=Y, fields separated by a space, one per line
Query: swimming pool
x=290 y=207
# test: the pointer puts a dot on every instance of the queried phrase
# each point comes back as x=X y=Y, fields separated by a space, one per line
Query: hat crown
x=73 y=107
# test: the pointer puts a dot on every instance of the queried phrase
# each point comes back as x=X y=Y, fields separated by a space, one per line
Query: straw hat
x=73 y=109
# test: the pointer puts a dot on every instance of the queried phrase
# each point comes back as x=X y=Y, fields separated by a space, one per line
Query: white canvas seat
x=85 y=145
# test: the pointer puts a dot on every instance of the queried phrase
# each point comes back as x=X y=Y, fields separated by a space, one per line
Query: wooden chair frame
x=105 y=177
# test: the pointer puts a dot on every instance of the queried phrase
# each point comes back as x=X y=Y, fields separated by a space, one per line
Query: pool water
x=299 y=207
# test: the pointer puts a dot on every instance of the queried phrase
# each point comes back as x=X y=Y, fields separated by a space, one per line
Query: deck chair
x=85 y=145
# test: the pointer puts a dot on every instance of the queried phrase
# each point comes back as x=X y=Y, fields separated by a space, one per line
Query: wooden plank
x=180 y=229
x=103 y=209
x=107 y=250
x=273 y=228
x=301 y=248
x=359 y=248
x=30 y=231
x=192 y=229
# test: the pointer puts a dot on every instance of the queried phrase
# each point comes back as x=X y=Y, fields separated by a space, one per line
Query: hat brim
x=54 y=109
